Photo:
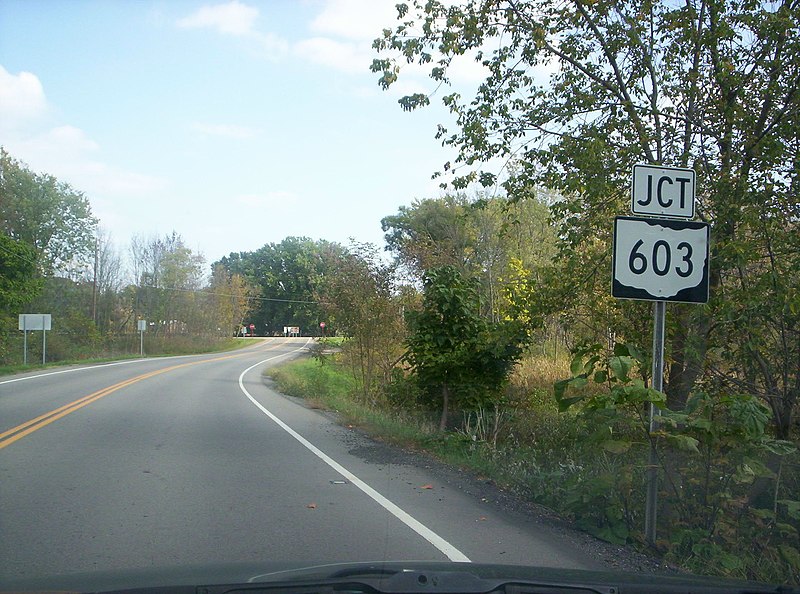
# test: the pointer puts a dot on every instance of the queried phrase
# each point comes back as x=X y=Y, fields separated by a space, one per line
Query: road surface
x=195 y=460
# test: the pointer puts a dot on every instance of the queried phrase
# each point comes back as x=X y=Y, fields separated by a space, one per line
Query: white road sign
x=661 y=260
x=663 y=191
x=35 y=321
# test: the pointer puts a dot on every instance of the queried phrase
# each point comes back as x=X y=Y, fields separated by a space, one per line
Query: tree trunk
x=689 y=348
x=445 y=403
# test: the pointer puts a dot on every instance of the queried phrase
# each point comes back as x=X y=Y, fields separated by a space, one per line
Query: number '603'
x=661 y=260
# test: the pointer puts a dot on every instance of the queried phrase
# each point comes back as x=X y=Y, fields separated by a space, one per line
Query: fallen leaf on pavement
x=426 y=487
x=312 y=506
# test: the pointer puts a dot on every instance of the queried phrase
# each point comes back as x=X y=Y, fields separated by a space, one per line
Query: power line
x=178 y=289
x=20 y=256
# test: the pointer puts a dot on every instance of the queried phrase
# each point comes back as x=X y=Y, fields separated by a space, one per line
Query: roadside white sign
x=660 y=260
x=34 y=321
x=141 y=325
x=663 y=191
x=29 y=322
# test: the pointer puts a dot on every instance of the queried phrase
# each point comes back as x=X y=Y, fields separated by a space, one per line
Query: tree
x=288 y=274
x=455 y=353
x=107 y=278
x=431 y=233
x=480 y=237
x=576 y=93
x=47 y=214
x=230 y=299
x=19 y=281
x=19 y=284
x=169 y=277
x=362 y=301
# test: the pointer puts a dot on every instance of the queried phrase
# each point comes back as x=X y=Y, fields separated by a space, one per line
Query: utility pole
x=94 y=285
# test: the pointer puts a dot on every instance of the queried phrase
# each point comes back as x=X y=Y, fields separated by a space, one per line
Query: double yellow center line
x=28 y=427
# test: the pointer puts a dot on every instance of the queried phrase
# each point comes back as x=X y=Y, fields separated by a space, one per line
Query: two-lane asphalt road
x=195 y=460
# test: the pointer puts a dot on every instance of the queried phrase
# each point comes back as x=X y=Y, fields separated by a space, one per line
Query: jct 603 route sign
x=661 y=260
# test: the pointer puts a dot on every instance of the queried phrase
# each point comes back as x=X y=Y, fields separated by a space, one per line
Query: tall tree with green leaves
x=287 y=274
x=577 y=92
x=19 y=279
x=432 y=233
x=479 y=236
x=47 y=214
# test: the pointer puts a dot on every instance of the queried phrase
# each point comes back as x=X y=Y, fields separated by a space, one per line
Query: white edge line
x=37 y=376
x=437 y=541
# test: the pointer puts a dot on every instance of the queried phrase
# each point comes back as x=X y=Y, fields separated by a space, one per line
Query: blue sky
x=234 y=123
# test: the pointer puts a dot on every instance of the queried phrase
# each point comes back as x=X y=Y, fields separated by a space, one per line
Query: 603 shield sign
x=660 y=260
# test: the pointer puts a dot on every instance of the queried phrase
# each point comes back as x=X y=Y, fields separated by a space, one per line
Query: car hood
x=383 y=577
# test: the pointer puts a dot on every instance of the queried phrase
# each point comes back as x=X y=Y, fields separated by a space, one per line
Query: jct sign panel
x=663 y=191
x=660 y=260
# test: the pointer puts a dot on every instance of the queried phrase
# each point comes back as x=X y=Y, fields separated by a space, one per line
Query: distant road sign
x=34 y=321
x=141 y=325
x=660 y=260
x=663 y=191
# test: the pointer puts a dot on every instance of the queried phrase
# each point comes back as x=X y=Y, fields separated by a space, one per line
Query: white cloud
x=345 y=31
x=340 y=55
x=64 y=151
x=232 y=18
x=69 y=137
x=22 y=99
x=361 y=20
x=225 y=130
x=238 y=20
x=69 y=154
x=271 y=46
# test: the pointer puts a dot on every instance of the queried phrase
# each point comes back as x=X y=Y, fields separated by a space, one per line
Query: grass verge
x=327 y=387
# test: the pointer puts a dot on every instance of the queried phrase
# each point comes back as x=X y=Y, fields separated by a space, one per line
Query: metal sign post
x=44 y=339
x=659 y=318
x=25 y=340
